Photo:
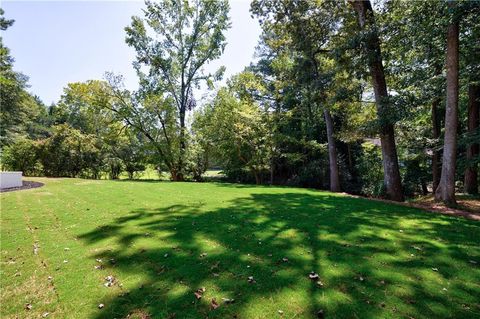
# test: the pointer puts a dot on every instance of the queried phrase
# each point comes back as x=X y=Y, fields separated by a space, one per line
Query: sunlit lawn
x=162 y=241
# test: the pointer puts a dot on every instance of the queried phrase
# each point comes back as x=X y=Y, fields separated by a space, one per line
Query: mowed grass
x=162 y=241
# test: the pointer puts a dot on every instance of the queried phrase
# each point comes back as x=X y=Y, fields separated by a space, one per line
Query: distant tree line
x=380 y=100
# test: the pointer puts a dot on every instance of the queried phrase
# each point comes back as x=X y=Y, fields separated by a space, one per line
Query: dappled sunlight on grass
x=373 y=259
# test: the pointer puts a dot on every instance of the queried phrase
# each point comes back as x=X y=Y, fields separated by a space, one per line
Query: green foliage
x=86 y=106
x=70 y=153
x=21 y=156
x=370 y=166
x=21 y=114
x=173 y=43
x=236 y=130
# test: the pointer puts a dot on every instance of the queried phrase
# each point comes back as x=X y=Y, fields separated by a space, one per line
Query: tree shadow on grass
x=373 y=259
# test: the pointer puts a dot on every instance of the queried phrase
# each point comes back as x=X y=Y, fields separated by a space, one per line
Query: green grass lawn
x=162 y=241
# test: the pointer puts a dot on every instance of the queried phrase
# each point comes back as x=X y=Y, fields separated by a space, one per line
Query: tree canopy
x=372 y=98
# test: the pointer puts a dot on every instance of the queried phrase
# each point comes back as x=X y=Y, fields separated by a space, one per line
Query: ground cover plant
x=115 y=249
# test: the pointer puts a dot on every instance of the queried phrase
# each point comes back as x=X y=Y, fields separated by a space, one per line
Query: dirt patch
x=26 y=185
x=431 y=206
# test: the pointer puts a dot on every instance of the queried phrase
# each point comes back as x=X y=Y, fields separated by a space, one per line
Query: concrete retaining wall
x=10 y=179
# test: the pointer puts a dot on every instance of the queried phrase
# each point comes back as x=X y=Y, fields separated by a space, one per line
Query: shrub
x=21 y=156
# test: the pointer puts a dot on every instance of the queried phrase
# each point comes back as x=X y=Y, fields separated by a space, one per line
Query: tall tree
x=173 y=43
x=471 y=173
x=237 y=129
x=366 y=21
x=414 y=43
x=470 y=54
x=20 y=111
x=306 y=28
x=446 y=188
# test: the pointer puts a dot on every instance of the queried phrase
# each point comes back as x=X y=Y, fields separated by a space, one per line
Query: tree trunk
x=332 y=153
x=446 y=188
x=179 y=176
x=257 y=178
x=174 y=175
x=391 y=170
x=436 y=153
x=424 y=187
x=471 y=173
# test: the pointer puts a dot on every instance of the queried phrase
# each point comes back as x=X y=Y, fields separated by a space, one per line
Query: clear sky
x=57 y=42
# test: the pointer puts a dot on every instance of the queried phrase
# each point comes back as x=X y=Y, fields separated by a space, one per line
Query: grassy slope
x=245 y=231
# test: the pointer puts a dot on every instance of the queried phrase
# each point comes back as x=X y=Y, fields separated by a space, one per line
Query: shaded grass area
x=468 y=203
x=163 y=241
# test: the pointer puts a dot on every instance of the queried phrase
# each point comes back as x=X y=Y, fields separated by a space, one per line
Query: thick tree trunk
x=436 y=153
x=446 y=188
x=332 y=153
x=471 y=173
x=183 y=147
x=391 y=170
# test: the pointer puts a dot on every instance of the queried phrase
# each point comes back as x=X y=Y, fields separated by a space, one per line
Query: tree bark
x=436 y=153
x=391 y=170
x=446 y=188
x=179 y=176
x=332 y=153
x=471 y=173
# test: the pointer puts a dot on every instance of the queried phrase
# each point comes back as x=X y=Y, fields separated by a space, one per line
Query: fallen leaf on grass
x=313 y=276
x=214 y=304
x=35 y=248
x=199 y=293
x=228 y=301
x=110 y=281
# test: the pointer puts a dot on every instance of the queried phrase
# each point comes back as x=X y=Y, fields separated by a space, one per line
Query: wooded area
x=378 y=99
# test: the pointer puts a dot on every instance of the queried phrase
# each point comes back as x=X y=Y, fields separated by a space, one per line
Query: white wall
x=10 y=179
